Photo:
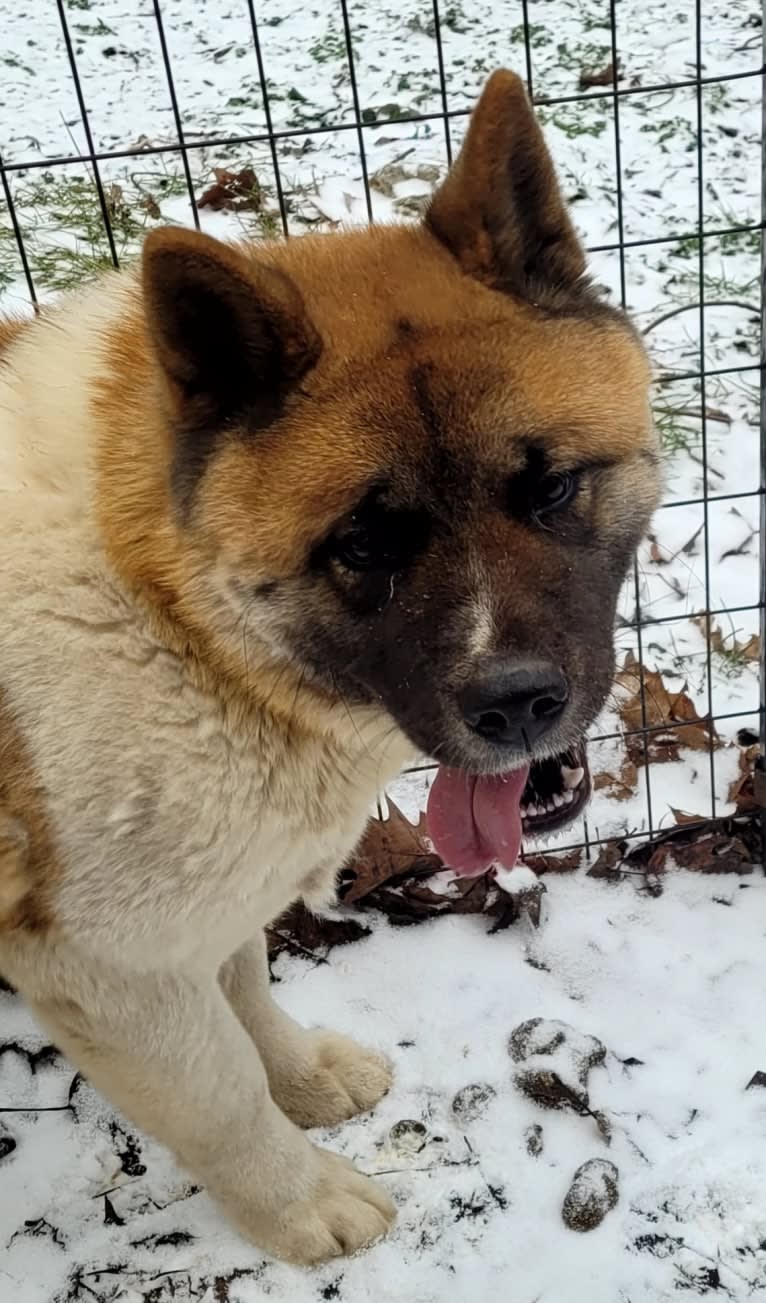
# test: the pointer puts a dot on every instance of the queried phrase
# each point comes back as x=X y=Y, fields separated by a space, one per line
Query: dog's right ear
x=231 y=334
x=500 y=211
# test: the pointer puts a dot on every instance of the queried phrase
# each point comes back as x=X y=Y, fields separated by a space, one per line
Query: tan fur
x=170 y=778
x=28 y=864
x=10 y=329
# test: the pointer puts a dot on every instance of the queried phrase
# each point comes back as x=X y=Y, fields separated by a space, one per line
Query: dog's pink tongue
x=476 y=822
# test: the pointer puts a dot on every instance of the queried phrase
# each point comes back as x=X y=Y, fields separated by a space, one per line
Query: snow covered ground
x=675 y=982
x=671 y=987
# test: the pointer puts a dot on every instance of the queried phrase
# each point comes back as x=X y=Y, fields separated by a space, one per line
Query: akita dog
x=274 y=519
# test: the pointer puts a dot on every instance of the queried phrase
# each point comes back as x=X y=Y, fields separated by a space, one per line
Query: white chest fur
x=175 y=827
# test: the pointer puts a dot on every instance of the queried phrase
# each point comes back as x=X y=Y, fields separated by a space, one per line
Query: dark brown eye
x=356 y=550
x=553 y=492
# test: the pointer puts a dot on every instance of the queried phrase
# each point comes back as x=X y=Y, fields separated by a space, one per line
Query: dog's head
x=420 y=459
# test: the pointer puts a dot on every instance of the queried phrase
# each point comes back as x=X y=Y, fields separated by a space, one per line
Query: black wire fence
x=279 y=192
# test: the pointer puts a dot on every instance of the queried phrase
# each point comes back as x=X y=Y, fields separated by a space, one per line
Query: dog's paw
x=336 y=1080
x=344 y=1213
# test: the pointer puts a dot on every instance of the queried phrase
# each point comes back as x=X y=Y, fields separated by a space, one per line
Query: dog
x=275 y=519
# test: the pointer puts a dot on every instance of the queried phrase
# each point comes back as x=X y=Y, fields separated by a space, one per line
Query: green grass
x=574 y=120
x=9 y=259
x=63 y=229
x=329 y=48
x=676 y=431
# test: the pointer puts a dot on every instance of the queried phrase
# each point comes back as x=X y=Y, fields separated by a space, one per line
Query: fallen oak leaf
x=742 y=791
x=716 y=854
x=623 y=785
x=681 y=817
x=729 y=844
x=389 y=848
x=298 y=930
x=644 y=702
x=233 y=192
x=609 y=861
x=552 y=862
x=509 y=909
x=400 y=908
x=666 y=744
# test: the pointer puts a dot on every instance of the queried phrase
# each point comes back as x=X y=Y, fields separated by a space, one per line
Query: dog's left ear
x=500 y=210
x=230 y=332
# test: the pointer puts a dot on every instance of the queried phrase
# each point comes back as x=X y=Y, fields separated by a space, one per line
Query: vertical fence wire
x=442 y=79
x=348 y=37
x=18 y=234
x=88 y=133
x=267 y=116
x=703 y=391
x=176 y=111
x=645 y=737
x=762 y=412
x=527 y=47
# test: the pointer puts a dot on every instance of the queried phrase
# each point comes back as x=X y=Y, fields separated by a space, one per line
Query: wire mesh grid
x=378 y=149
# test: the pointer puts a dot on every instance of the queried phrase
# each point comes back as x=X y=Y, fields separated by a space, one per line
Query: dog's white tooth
x=572 y=777
x=567 y=798
x=558 y=801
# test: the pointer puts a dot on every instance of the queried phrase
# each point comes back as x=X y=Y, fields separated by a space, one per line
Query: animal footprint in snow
x=554 y=1062
x=593 y=1193
x=472 y=1101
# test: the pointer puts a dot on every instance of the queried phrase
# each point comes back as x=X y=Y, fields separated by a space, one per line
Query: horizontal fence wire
x=700 y=235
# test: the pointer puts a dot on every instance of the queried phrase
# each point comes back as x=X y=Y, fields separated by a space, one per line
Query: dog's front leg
x=319 y=1078
x=168 y=1050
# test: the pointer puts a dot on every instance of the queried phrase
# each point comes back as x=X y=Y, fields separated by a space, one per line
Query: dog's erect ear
x=500 y=211
x=231 y=335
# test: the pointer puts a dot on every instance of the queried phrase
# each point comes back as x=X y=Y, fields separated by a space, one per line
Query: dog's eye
x=553 y=492
x=356 y=550
x=376 y=538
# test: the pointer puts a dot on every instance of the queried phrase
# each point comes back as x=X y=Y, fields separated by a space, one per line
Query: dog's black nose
x=514 y=705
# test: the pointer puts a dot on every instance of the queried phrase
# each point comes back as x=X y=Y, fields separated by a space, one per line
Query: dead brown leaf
x=621 y=786
x=709 y=852
x=599 y=76
x=681 y=817
x=508 y=907
x=298 y=931
x=671 y=717
x=233 y=192
x=742 y=792
x=727 y=644
x=390 y=847
x=150 y=205
x=608 y=864
x=551 y=862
